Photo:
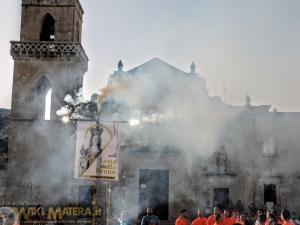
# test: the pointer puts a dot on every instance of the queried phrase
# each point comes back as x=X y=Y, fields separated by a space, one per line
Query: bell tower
x=49 y=61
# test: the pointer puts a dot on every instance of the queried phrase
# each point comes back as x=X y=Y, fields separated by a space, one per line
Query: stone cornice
x=57 y=3
x=221 y=174
x=57 y=51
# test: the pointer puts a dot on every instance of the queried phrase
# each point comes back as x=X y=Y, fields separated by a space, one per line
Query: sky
x=240 y=46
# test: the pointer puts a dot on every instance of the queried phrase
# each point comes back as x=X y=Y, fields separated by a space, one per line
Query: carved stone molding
x=58 y=51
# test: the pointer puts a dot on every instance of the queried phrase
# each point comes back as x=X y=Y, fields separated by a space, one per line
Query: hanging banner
x=96 y=151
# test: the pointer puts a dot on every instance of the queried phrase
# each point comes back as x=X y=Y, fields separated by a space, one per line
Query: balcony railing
x=48 y=50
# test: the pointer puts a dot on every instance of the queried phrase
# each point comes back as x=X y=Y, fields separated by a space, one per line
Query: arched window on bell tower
x=48 y=28
x=43 y=99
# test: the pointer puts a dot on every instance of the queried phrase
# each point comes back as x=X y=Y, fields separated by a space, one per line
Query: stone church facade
x=245 y=153
x=253 y=158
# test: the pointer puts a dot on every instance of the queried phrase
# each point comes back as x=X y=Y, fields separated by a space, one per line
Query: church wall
x=131 y=162
x=62 y=75
x=41 y=156
x=249 y=169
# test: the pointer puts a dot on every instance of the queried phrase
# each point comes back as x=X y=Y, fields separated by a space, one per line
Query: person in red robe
x=219 y=220
x=226 y=219
x=235 y=216
x=286 y=217
x=201 y=219
x=183 y=218
x=212 y=218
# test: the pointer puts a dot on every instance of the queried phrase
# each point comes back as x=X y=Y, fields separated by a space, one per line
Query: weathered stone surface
x=4 y=135
x=251 y=146
x=41 y=152
x=4 y=128
x=67 y=15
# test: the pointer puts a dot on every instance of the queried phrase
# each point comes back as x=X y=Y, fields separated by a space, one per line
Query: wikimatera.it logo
x=25 y=213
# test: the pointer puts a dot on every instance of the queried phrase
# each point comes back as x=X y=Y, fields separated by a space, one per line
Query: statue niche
x=220 y=160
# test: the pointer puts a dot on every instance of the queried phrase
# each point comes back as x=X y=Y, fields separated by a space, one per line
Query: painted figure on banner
x=96 y=150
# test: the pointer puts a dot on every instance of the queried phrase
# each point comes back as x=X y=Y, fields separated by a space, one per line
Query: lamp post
x=99 y=108
x=93 y=110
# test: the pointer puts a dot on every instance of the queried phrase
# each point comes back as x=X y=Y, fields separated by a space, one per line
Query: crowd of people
x=226 y=217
